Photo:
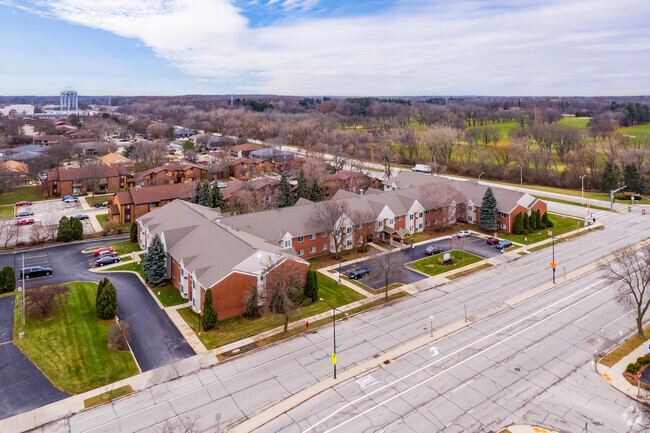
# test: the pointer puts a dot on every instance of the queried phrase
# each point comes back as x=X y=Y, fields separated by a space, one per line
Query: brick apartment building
x=82 y=180
x=137 y=201
x=168 y=174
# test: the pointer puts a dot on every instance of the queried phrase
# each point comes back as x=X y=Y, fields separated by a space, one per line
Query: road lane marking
x=582 y=318
x=458 y=351
x=616 y=320
x=530 y=347
x=462 y=386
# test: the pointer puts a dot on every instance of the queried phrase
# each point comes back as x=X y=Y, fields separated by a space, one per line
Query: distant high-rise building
x=69 y=100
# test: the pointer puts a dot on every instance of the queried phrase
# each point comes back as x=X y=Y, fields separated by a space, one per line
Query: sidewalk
x=520 y=428
x=614 y=374
x=92 y=218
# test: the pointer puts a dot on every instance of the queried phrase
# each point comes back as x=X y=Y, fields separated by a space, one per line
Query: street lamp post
x=582 y=191
x=334 y=328
x=521 y=175
x=479 y=176
x=553 y=265
x=340 y=264
x=412 y=249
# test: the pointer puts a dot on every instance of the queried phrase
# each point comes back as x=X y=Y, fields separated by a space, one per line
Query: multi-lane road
x=516 y=359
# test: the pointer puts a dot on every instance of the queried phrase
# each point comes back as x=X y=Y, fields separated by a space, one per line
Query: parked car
x=35 y=271
x=107 y=260
x=463 y=234
x=107 y=254
x=80 y=217
x=432 y=249
x=24 y=203
x=221 y=184
x=69 y=198
x=99 y=250
x=503 y=244
x=24 y=213
x=24 y=222
x=357 y=273
x=492 y=240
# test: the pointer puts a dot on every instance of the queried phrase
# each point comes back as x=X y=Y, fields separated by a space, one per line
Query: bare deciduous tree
x=441 y=142
x=44 y=301
x=283 y=289
x=389 y=267
x=332 y=216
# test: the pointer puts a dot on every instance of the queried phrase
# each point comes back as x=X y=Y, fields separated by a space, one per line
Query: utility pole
x=22 y=326
x=582 y=192
x=611 y=196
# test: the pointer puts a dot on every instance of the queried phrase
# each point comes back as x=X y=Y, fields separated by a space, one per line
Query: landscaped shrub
x=7 y=280
x=527 y=228
x=311 y=286
x=106 y=305
x=547 y=221
x=252 y=304
x=154 y=265
x=64 y=232
x=518 y=227
x=134 y=232
x=643 y=360
x=633 y=367
x=209 y=315
x=77 y=228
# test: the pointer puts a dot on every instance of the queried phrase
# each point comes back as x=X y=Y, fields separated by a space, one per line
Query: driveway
x=22 y=386
x=473 y=244
x=154 y=338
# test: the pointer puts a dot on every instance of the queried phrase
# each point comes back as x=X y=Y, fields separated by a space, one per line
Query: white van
x=422 y=168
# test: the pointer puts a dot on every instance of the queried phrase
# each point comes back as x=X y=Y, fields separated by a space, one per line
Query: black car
x=35 y=271
x=503 y=245
x=357 y=273
x=107 y=260
x=81 y=217
x=24 y=213
x=432 y=249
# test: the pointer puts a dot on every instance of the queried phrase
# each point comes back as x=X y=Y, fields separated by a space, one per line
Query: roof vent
x=218 y=221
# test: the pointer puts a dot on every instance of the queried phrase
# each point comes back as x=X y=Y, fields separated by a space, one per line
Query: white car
x=464 y=234
x=221 y=184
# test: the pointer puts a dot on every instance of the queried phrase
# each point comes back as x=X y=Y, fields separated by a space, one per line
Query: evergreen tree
x=538 y=219
x=64 y=232
x=284 y=199
x=155 y=263
x=315 y=194
x=77 y=229
x=527 y=227
x=203 y=194
x=518 y=227
x=631 y=178
x=302 y=191
x=215 y=198
x=611 y=177
x=311 y=285
x=533 y=221
x=106 y=305
x=9 y=278
x=100 y=287
x=134 y=232
x=2 y=282
x=489 y=211
x=252 y=304
x=547 y=221
x=209 y=315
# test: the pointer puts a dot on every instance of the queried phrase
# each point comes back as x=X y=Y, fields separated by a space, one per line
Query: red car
x=244 y=179
x=492 y=241
x=102 y=249
x=24 y=222
x=24 y=203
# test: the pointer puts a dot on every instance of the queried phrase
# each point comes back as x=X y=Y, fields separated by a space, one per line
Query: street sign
x=446 y=257
x=334 y=358
x=550 y=233
x=638 y=376
x=337 y=346
x=553 y=265
x=643 y=211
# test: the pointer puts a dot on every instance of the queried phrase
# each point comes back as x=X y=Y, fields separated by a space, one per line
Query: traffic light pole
x=553 y=240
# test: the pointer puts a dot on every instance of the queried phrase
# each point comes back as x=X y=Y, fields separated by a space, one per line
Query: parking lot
x=375 y=280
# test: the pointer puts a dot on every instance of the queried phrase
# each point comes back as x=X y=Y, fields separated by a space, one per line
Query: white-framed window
x=349 y=242
x=301 y=252
x=312 y=250
x=380 y=223
x=348 y=230
x=392 y=221
x=399 y=218
x=435 y=211
x=420 y=215
x=435 y=221
x=360 y=226
x=428 y=223
x=324 y=247
x=469 y=218
x=287 y=243
x=503 y=226
x=411 y=217
x=323 y=235
x=420 y=225
x=312 y=237
x=503 y=215
x=428 y=212
x=410 y=228
x=360 y=239
x=469 y=207
x=301 y=238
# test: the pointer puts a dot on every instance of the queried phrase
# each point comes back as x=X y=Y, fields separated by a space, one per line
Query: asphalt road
x=375 y=280
x=155 y=340
x=22 y=385
x=528 y=363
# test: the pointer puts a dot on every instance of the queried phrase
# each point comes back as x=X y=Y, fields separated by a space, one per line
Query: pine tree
x=489 y=211
x=527 y=228
x=64 y=232
x=155 y=263
x=77 y=229
x=216 y=199
x=611 y=177
x=2 y=282
x=302 y=191
x=100 y=287
x=315 y=194
x=547 y=221
x=533 y=221
x=203 y=194
x=538 y=220
x=631 y=178
x=106 y=305
x=134 y=233
x=284 y=198
x=518 y=227
x=209 y=315
x=311 y=285
x=252 y=304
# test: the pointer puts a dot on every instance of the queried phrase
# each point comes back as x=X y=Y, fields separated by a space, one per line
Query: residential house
x=249 y=167
x=243 y=150
x=168 y=174
x=113 y=159
x=347 y=180
x=14 y=173
x=139 y=200
x=81 y=180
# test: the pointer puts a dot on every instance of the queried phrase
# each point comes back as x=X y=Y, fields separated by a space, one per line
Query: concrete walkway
x=528 y=429
x=614 y=374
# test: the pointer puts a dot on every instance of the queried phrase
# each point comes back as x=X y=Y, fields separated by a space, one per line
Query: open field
x=71 y=349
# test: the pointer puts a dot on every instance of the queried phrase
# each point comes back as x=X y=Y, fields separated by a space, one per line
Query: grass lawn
x=99 y=199
x=634 y=130
x=136 y=267
x=102 y=219
x=237 y=328
x=169 y=296
x=6 y=212
x=107 y=397
x=628 y=346
x=430 y=265
x=574 y=203
x=121 y=248
x=71 y=349
x=575 y=122
x=329 y=259
x=561 y=225
x=26 y=193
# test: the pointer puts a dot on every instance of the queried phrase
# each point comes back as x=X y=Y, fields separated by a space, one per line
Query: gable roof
x=158 y=193
x=73 y=173
x=111 y=158
x=246 y=147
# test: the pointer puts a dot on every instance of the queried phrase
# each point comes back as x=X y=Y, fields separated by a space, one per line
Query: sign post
x=638 y=384
x=553 y=264
x=431 y=320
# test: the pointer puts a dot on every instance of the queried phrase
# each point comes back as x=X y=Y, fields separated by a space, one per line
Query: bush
x=252 y=304
x=643 y=360
x=8 y=279
x=118 y=336
x=518 y=227
x=44 y=301
x=134 y=233
x=64 y=232
x=547 y=221
x=77 y=228
x=106 y=305
x=633 y=367
x=311 y=286
x=209 y=315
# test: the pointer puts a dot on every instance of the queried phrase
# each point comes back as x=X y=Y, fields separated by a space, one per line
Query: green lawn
x=136 y=267
x=237 y=328
x=6 y=212
x=561 y=225
x=106 y=224
x=169 y=296
x=557 y=200
x=99 y=199
x=107 y=397
x=575 y=122
x=102 y=219
x=71 y=349
x=121 y=248
x=26 y=193
x=430 y=265
x=634 y=130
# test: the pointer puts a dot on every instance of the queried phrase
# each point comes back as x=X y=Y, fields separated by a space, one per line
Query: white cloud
x=462 y=47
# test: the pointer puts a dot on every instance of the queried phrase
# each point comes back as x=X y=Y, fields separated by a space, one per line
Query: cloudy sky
x=319 y=47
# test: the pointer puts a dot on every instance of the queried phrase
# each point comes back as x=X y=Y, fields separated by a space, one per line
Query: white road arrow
x=433 y=350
